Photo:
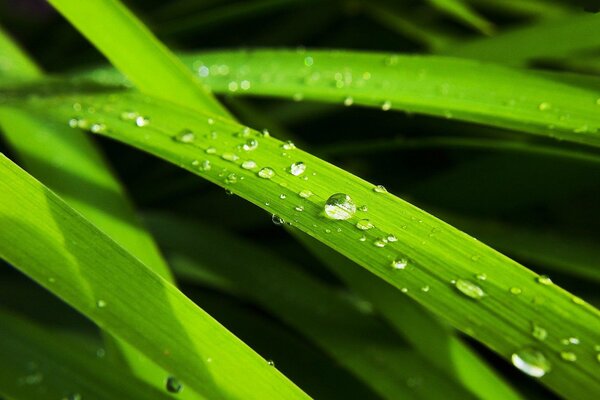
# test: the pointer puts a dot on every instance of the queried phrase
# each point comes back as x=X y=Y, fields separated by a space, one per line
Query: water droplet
x=515 y=290
x=339 y=206
x=531 y=361
x=98 y=128
x=173 y=385
x=544 y=106
x=380 y=243
x=129 y=115
x=399 y=263
x=425 y=288
x=230 y=157
x=305 y=193
x=568 y=356
x=250 y=145
x=570 y=340
x=282 y=196
x=538 y=332
x=363 y=238
x=578 y=300
x=265 y=133
x=271 y=363
x=469 y=289
x=386 y=105
x=232 y=86
x=266 y=173
x=289 y=145
x=299 y=208
x=101 y=303
x=364 y=224
x=211 y=150
x=348 y=101
x=185 y=136
x=363 y=208
x=392 y=238
x=481 y=277
x=141 y=121
x=203 y=165
x=245 y=85
x=380 y=189
x=231 y=179
x=249 y=164
x=297 y=168
x=308 y=61
x=544 y=280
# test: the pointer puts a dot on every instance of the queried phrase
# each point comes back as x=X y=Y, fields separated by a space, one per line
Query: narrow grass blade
x=462 y=12
x=53 y=244
x=42 y=365
x=499 y=312
x=355 y=339
x=136 y=53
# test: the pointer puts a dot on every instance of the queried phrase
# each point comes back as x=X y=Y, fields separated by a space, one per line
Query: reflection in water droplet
x=339 y=206
x=392 y=238
x=266 y=173
x=531 y=361
x=297 y=168
x=250 y=145
x=277 y=220
x=141 y=121
x=173 y=385
x=469 y=289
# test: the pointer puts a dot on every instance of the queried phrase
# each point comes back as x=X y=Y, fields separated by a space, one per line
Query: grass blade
x=462 y=12
x=58 y=248
x=499 y=312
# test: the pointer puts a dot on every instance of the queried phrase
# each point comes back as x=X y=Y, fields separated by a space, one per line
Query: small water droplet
x=538 y=332
x=339 y=206
x=271 y=363
x=129 y=115
x=568 y=356
x=282 y=196
x=101 y=303
x=392 y=238
x=185 y=136
x=364 y=224
x=249 y=164
x=544 y=106
x=380 y=189
x=289 y=145
x=544 y=280
x=173 y=385
x=141 y=121
x=250 y=145
x=265 y=133
x=425 y=288
x=531 y=361
x=363 y=208
x=211 y=150
x=469 y=289
x=308 y=61
x=230 y=157
x=481 y=276
x=386 y=105
x=297 y=168
x=577 y=300
x=231 y=179
x=98 y=128
x=569 y=340
x=203 y=165
x=305 y=193
x=399 y=263
x=266 y=173
x=515 y=290
x=348 y=101
x=299 y=208
x=380 y=243
x=363 y=238
x=277 y=220
x=210 y=121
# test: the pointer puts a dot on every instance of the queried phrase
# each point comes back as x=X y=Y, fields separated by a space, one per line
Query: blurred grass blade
x=433 y=340
x=355 y=339
x=552 y=38
x=42 y=365
x=499 y=311
x=137 y=53
x=462 y=12
x=53 y=244
x=15 y=63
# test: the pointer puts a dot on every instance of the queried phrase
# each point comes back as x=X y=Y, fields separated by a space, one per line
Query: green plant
x=397 y=317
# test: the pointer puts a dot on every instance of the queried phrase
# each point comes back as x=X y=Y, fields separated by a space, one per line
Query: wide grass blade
x=36 y=363
x=53 y=244
x=498 y=311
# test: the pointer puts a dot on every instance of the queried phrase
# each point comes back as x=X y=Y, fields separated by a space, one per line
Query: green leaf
x=136 y=53
x=462 y=12
x=36 y=363
x=499 y=311
x=54 y=245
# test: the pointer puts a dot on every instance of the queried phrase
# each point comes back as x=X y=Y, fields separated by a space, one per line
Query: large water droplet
x=339 y=206
x=173 y=385
x=470 y=289
x=531 y=361
x=297 y=168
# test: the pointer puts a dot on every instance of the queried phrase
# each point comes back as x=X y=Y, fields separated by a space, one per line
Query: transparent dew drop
x=277 y=220
x=364 y=224
x=392 y=238
x=203 y=165
x=173 y=385
x=544 y=106
x=210 y=121
x=74 y=396
x=379 y=243
x=348 y=101
x=363 y=238
x=380 y=189
x=531 y=361
x=399 y=263
x=425 y=288
x=265 y=133
x=538 y=332
x=299 y=208
x=339 y=206
x=305 y=193
x=249 y=164
x=289 y=145
x=568 y=356
x=271 y=363
x=231 y=179
x=211 y=150
x=481 y=277
x=98 y=128
x=282 y=196
x=250 y=145
x=266 y=173
x=185 y=136
x=469 y=289
x=141 y=121
x=386 y=105
x=230 y=157
x=297 y=168
x=363 y=208
x=101 y=303
x=516 y=291
x=544 y=280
